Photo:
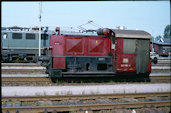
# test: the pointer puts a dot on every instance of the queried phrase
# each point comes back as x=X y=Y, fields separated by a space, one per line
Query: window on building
x=129 y=46
x=30 y=36
x=17 y=36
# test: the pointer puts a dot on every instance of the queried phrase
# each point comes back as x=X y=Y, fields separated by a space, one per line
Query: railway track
x=144 y=102
x=25 y=68
x=18 y=81
x=160 y=79
x=22 y=68
x=102 y=103
x=43 y=81
x=20 y=64
x=35 y=69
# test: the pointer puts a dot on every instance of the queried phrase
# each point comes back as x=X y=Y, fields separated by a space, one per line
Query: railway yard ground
x=26 y=89
x=163 y=66
x=101 y=103
x=43 y=80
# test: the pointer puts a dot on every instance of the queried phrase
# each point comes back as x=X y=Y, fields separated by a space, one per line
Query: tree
x=158 y=38
x=167 y=31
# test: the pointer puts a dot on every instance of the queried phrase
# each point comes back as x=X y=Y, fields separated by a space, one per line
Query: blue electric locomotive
x=21 y=44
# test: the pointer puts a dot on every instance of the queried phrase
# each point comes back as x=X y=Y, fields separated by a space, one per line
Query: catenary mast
x=40 y=9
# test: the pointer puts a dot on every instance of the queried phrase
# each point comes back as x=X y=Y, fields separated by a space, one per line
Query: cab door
x=142 y=53
x=126 y=55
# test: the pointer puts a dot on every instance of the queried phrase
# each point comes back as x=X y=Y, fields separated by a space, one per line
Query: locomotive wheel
x=54 y=79
x=146 y=78
x=47 y=70
x=51 y=75
x=55 y=75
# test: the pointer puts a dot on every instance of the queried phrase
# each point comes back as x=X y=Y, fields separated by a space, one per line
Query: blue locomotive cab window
x=129 y=46
x=17 y=36
x=30 y=36
x=44 y=36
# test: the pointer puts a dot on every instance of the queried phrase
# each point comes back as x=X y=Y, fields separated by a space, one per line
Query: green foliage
x=167 y=32
x=158 y=38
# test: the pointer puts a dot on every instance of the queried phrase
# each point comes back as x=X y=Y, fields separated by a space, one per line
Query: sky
x=151 y=16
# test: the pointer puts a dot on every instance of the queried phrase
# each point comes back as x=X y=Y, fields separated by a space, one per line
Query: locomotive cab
x=132 y=54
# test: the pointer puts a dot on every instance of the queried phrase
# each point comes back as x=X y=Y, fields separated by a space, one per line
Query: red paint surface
x=98 y=46
x=149 y=62
x=113 y=53
x=66 y=45
x=57 y=44
x=59 y=62
x=149 y=66
x=156 y=48
x=121 y=66
x=74 y=46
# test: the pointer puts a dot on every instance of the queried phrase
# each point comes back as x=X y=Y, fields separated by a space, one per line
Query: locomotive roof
x=131 y=33
x=24 y=31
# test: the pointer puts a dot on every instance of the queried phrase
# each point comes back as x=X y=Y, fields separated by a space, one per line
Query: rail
x=78 y=103
x=43 y=81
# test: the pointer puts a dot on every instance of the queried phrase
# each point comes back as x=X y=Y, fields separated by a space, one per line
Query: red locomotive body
x=111 y=52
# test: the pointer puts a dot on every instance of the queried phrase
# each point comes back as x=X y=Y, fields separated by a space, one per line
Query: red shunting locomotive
x=111 y=52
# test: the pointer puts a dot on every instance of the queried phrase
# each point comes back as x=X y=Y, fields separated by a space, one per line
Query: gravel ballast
x=84 y=90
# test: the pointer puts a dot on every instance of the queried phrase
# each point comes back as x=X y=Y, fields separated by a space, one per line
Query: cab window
x=17 y=36
x=129 y=46
x=30 y=36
